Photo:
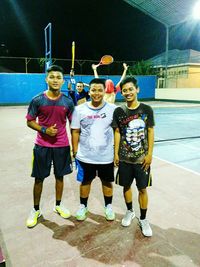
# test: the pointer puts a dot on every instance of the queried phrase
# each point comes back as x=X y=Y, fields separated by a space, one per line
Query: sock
x=84 y=200
x=58 y=202
x=129 y=206
x=36 y=207
x=143 y=214
x=108 y=200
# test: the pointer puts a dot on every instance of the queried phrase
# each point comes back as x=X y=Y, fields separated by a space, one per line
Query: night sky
x=97 y=26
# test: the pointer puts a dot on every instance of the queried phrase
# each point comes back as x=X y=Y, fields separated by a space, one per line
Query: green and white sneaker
x=81 y=213
x=33 y=218
x=109 y=213
x=62 y=211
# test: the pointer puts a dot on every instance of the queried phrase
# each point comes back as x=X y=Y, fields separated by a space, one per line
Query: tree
x=142 y=68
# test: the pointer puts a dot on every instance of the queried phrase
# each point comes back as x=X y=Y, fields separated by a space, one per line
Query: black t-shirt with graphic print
x=133 y=125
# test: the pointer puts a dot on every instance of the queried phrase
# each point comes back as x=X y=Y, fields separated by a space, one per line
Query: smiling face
x=79 y=87
x=54 y=80
x=97 y=91
x=129 y=92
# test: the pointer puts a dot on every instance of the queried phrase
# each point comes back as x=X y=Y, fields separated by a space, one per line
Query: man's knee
x=107 y=184
x=59 y=179
x=126 y=189
x=38 y=181
x=142 y=191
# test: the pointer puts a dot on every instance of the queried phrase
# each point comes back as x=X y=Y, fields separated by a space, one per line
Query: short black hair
x=128 y=79
x=80 y=82
x=55 y=68
x=98 y=81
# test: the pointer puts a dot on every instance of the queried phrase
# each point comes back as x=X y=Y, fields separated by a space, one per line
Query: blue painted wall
x=17 y=88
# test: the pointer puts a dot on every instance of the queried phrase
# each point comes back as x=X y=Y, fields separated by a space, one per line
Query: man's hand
x=125 y=66
x=71 y=73
x=52 y=131
x=74 y=154
x=94 y=67
x=147 y=162
x=116 y=160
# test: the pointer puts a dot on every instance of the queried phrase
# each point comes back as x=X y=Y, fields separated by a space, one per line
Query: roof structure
x=177 y=57
x=167 y=12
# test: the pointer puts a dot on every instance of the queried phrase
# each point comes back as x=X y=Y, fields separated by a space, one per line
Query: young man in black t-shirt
x=134 y=139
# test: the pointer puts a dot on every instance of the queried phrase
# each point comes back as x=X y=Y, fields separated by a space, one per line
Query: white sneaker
x=109 y=213
x=33 y=218
x=145 y=227
x=128 y=217
x=81 y=213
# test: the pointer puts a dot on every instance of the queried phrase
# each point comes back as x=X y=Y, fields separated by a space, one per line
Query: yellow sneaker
x=62 y=211
x=32 y=218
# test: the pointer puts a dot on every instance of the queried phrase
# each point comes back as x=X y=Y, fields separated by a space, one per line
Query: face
x=79 y=87
x=55 y=80
x=129 y=92
x=97 y=92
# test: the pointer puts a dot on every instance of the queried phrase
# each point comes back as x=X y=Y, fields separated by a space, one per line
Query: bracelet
x=43 y=129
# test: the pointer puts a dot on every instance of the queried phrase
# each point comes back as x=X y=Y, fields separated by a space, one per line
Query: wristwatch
x=43 y=129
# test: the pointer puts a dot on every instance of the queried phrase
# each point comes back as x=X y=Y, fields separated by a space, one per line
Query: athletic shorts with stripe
x=127 y=172
x=88 y=171
x=45 y=157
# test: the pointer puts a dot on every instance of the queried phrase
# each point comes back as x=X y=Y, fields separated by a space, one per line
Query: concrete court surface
x=173 y=213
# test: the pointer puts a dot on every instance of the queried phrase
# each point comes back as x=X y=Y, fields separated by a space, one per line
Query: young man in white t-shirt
x=92 y=141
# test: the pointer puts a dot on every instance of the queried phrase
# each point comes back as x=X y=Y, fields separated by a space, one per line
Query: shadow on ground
x=110 y=243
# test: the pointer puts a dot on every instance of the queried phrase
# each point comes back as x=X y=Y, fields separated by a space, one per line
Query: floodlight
x=196 y=10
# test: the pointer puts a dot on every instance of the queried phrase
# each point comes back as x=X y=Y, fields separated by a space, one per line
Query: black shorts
x=127 y=172
x=88 y=171
x=45 y=157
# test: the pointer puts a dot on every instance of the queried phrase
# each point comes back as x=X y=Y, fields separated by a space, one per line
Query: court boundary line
x=176 y=142
x=177 y=165
x=186 y=106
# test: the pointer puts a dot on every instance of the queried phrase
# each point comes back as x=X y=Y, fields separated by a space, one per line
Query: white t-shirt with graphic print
x=96 y=140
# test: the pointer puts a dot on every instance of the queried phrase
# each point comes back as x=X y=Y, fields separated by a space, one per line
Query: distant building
x=183 y=68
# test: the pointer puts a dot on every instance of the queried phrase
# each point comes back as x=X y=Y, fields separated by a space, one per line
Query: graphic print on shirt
x=96 y=140
x=96 y=130
x=135 y=134
x=134 y=140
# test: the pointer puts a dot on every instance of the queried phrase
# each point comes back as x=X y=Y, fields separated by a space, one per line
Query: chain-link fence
x=178 y=75
x=37 y=65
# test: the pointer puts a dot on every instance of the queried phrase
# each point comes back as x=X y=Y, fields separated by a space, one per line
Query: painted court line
x=177 y=165
x=176 y=142
x=174 y=105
